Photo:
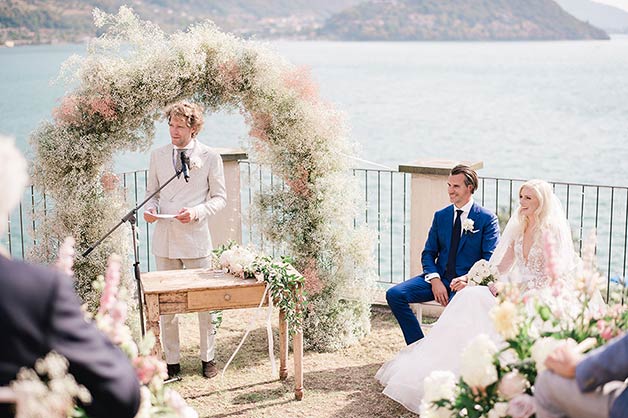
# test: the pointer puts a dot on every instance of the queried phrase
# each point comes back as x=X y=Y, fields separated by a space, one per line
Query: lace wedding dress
x=465 y=317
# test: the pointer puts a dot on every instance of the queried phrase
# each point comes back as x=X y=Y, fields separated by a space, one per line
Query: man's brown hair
x=470 y=176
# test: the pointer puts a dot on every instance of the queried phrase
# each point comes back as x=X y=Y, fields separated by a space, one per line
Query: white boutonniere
x=467 y=226
x=195 y=162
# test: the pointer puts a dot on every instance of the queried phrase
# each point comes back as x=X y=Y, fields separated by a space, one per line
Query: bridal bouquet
x=482 y=273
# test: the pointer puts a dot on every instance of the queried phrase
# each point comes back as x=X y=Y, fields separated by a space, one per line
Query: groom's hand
x=441 y=295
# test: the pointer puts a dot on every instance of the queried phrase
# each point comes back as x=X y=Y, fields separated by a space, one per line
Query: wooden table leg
x=152 y=321
x=283 y=346
x=297 y=347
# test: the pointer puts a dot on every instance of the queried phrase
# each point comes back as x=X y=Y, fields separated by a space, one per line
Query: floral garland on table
x=129 y=75
x=284 y=283
x=498 y=382
x=52 y=392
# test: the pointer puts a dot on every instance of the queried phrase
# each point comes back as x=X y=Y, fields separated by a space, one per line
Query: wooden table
x=198 y=290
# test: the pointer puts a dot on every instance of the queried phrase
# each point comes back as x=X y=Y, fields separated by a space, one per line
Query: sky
x=622 y=4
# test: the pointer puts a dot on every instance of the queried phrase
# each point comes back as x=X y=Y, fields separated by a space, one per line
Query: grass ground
x=337 y=384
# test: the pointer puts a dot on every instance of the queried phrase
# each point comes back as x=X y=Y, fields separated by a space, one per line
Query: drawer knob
x=227 y=297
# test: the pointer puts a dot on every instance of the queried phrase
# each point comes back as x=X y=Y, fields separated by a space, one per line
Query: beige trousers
x=170 y=323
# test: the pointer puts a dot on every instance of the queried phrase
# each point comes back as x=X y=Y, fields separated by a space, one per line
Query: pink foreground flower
x=149 y=367
x=109 y=297
x=65 y=261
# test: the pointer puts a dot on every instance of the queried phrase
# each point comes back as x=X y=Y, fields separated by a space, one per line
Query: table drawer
x=231 y=298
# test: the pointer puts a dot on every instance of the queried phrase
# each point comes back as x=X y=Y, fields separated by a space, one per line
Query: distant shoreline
x=611 y=37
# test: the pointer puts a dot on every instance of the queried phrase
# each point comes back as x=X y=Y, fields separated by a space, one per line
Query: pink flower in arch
x=68 y=111
x=299 y=183
x=230 y=74
x=104 y=106
x=259 y=123
x=313 y=284
x=300 y=80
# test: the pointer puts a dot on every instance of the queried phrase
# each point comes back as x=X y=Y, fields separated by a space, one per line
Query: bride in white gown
x=519 y=257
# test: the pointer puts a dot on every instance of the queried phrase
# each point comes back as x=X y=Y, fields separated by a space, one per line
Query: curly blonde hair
x=191 y=112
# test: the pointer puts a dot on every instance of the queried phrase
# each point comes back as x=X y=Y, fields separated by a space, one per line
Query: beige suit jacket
x=205 y=193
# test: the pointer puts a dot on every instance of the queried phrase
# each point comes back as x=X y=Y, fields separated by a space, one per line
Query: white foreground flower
x=476 y=366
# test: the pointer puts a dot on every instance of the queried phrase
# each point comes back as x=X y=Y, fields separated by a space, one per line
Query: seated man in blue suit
x=449 y=252
x=584 y=387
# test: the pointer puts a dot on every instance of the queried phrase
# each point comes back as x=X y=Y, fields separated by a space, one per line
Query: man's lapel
x=448 y=225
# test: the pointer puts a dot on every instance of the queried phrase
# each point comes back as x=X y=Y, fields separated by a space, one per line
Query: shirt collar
x=190 y=145
x=466 y=208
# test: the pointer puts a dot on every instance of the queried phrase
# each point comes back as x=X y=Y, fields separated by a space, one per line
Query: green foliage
x=285 y=284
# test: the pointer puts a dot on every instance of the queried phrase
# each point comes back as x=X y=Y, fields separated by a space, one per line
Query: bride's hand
x=458 y=283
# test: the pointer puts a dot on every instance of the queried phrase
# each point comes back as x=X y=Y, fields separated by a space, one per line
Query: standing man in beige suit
x=183 y=241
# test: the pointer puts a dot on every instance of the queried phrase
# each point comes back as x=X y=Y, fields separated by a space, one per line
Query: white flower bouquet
x=482 y=273
x=238 y=260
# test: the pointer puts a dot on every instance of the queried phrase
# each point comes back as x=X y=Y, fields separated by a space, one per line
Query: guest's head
x=185 y=120
x=535 y=198
x=461 y=184
x=13 y=178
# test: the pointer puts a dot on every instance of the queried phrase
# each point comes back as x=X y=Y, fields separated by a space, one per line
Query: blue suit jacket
x=604 y=365
x=472 y=247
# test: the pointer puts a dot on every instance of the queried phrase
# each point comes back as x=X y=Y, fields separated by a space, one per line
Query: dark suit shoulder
x=447 y=210
x=23 y=280
x=26 y=303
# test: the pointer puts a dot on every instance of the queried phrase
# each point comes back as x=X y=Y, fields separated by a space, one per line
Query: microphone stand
x=131 y=218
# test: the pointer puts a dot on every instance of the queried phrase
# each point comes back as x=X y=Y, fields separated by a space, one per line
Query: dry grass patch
x=337 y=384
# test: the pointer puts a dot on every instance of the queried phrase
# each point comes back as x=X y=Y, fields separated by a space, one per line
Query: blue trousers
x=399 y=297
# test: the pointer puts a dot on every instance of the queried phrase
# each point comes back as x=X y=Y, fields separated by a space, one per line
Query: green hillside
x=42 y=21
x=449 y=20
x=34 y=21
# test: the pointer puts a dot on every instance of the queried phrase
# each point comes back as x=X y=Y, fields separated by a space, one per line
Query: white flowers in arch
x=123 y=84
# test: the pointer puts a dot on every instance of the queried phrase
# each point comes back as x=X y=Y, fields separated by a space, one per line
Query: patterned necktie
x=450 y=270
x=177 y=159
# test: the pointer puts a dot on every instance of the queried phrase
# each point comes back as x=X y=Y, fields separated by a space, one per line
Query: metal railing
x=385 y=195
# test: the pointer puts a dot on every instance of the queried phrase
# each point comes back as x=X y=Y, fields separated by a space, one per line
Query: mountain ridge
x=50 y=21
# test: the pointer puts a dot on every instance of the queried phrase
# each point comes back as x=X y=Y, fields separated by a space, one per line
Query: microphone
x=185 y=164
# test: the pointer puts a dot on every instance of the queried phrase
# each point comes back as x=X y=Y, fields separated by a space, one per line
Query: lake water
x=554 y=110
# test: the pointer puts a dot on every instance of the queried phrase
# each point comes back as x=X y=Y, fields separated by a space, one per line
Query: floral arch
x=128 y=76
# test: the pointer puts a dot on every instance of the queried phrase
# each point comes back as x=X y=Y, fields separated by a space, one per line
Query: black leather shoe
x=173 y=370
x=209 y=369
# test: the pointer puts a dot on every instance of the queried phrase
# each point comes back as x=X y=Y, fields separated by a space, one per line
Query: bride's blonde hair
x=543 y=192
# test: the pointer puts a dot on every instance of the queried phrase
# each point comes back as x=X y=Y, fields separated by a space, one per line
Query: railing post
x=428 y=193
x=226 y=225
